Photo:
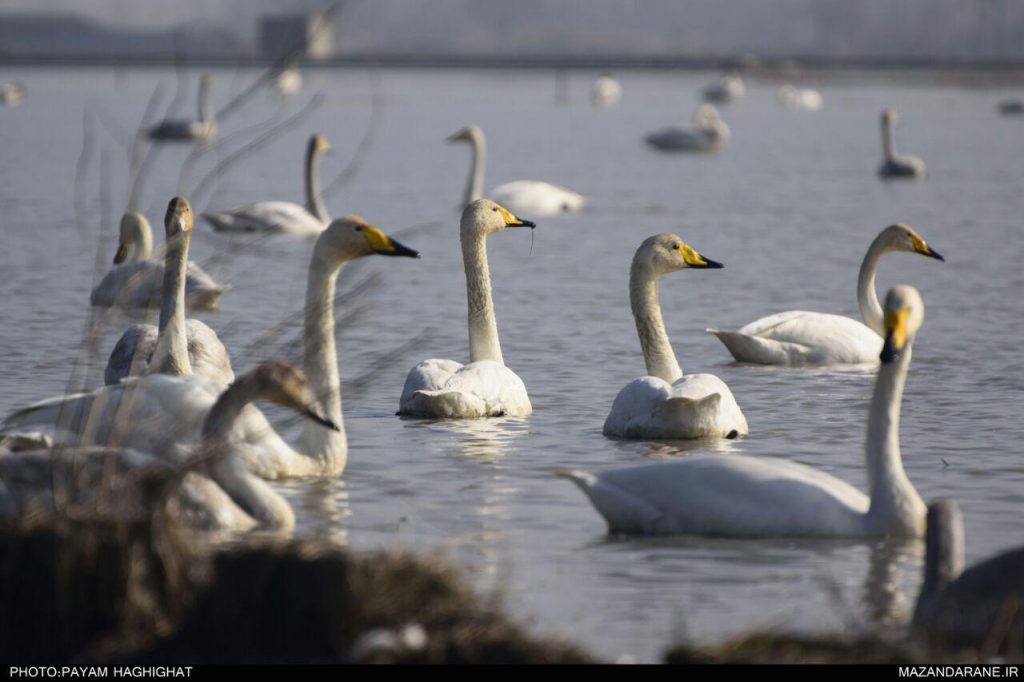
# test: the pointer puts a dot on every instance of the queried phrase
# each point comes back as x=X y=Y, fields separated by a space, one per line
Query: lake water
x=789 y=206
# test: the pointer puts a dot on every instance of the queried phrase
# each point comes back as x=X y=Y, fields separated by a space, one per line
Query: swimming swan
x=893 y=164
x=667 y=404
x=800 y=98
x=485 y=387
x=725 y=89
x=282 y=217
x=605 y=92
x=137 y=281
x=531 y=197
x=741 y=496
x=216 y=490
x=162 y=413
x=183 y=130
x=207 y=355
x=708 y=133
x=799 y=337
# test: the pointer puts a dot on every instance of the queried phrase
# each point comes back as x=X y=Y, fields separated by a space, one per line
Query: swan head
x=900 y=237
x=664 y=253
x=351 y=237
x=471 y=133
x=890 y=117
x=179 y=218
x=319 y=144
x=287 y=386
x=486 y=217
x=130 y=233
x=903 y=316
x=706 y=114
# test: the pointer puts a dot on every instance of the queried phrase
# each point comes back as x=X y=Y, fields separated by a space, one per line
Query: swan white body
x=137 y=280
x=288 y=82
x=605 y=92
x=740 y=496
x=532 y=197
x=896 y=165
x=282 y=217
x=800 y=337
x=485 y=387
x=667 y=404
x=183 y=130
x=800 y=98
x=708 y=133
x=726 y=89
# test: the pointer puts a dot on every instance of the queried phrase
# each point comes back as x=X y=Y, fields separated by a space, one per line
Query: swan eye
x=358 y=228
x=675 y=247
x=495 y=209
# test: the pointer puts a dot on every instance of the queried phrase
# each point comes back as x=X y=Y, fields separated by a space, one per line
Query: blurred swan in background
x=137 y=281
x=605 y=92
x=742 y=496
x=282 y=216
x=800 y=98
x=893 y=164
x=485 y=387
x=665 y=403
x=162 y=412
x=185 y=130
x=11 y=93
x=800 y=337
x=288 y=82
x=212 y=490
x=708 y=133
x=726 y=89
x=520 y=196
x=1011 y=107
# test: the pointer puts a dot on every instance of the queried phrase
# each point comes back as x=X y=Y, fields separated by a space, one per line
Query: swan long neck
x=888 y=148
x=475 y=182
x=895 y=503
x=314 y=202
x=171 y=353
x=650 y=327
x=867 y=297
x=483 y=325
x=320 y=361
x=143 y=247
x=944 y=548
x=205 y=111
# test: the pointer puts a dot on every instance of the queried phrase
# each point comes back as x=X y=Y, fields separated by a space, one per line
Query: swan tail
x=53 y=413
x=678 y=405
x=445 y=404
x=747 y=348
x=623 y=511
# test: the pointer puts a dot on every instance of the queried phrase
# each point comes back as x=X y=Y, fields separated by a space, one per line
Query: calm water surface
x=789 y=206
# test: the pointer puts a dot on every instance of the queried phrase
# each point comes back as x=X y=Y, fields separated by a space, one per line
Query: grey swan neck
x=888 y=148
x=143 y=246
x=171 y=353
x=314 y=201
x=659 y=357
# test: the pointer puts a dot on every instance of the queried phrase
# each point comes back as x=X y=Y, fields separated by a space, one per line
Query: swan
x=893 y=164
x=667 y=404
x=215 y=492
x=207 y=355
x=520 y=196
x=708 y=134
x=11 y=93
x=282 y=216
x=185 y=130
x=799 y=337
x=800 y=98
x=137 y=281
x=724 y=90
x=977 y=608
x=485 y=387
x=163 y=411
x=1011 y=107
x=742 y=496
x=287 y=82
x=605 y=92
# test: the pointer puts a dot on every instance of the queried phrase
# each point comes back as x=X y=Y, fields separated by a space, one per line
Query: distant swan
x=137 y=281
x=708 y=133
x=184 y=130
x=800 y=98
x=799 y=337
x=666 y=403
x=11 y=93
x=287 y=82
x=218 y=492
x=163 y=412
x=485 y=387
x=605 y=92
x=531 y=197
x=893 y=164
x=282 y=216
x=742 y=496
x=725 y=89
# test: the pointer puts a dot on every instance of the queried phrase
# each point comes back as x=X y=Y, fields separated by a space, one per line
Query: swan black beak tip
x=936 y=255
x=711 y=264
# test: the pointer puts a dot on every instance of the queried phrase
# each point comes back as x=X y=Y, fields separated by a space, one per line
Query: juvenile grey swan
x=895 y=165
x=708 y=133
x=188 y=130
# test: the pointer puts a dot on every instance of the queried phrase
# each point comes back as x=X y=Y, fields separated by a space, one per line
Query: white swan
x=895 y=165
x=186 y=130
x=741 y=496
x=667 y=404
x=216 y=490
x=162 y=413
x=708 y=133
x=282 y=216
x=605 y=92
x=800 y=98
x=485 y=387
x=137 y=281
x=531 y=197
x=287 y=82
x=800 y=337
x=11 y=93
x=725 y=89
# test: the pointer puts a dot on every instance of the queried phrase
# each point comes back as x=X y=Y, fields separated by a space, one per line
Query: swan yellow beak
x=895 y=334
x=921 y=247
x=512 y=221
x=385 y=245
x=695 y=260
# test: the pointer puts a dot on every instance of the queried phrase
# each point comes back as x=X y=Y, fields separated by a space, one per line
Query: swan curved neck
x=483 y=325
x=314 y=202
x=650 y=327
x=143 y=246
x=475 y=182
x=888 y=148
x=895 y=503
x=205 y=112
x=867 y=297
x=320 y=362
x=171 y=353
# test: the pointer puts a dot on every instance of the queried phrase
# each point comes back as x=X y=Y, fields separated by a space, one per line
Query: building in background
x=311 y=36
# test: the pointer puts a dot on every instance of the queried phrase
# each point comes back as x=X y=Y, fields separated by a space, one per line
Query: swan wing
x=266 y=216
x=479 y=389
x=696 y=406
x=133 y=351
x=534 y=198
x=802 y=337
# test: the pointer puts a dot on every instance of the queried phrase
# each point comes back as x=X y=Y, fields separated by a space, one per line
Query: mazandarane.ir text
x=959 y=671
